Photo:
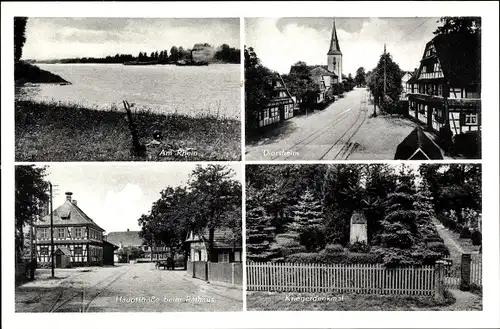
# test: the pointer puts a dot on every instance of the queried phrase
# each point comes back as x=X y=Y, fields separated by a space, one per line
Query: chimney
x=74 y=202
x=128 y=230
x=68 y=196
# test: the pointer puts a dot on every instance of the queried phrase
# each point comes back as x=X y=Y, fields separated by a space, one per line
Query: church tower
x=334 y=56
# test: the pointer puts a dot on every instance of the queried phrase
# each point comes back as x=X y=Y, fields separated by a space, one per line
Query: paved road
x=324 y=135
x=136 y=288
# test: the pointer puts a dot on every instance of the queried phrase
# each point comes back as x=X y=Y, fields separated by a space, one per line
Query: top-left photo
x=127 y=89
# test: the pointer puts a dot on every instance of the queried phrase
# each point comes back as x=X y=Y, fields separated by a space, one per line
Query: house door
x=282 y=112
x=429 y=116
x=58 y=261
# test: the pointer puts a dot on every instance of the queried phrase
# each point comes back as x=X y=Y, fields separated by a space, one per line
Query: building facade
x=445 y=93
x=227 y=247
x=280 y=106
x=78 y=240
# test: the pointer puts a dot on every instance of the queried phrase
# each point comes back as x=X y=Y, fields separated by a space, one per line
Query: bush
x=359 y=247
x=477 y=238
x=363 y=258
x=303 y=258
x=333 y=249
x=468 y=144
x=465 y=233
x=433 y=238
x=439 y=248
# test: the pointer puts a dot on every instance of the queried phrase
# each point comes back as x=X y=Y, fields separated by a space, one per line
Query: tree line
x=223 y=54
x=211 y=200
x=302 y=213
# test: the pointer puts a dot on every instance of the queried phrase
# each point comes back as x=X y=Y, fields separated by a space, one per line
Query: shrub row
x=334 y=258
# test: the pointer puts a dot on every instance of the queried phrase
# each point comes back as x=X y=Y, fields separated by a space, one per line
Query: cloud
x=281 y=42
x=123 y=208
x=48 y=38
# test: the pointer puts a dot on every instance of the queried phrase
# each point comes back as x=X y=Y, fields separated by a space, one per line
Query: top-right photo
x=406 y=88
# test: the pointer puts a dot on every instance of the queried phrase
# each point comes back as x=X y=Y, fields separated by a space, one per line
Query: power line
x=416 y=28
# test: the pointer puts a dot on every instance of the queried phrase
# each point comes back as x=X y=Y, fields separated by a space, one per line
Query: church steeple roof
x=334 y=43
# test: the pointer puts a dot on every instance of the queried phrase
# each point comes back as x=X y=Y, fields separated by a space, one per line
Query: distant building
x=406 y=85
x=446 y=89
x=280 y=106
x=78 y=240
x=129 y=238
x=227 y=246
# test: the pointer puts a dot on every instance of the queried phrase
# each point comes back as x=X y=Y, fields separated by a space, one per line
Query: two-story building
x=446 y=89
x=280 y=106
x=78 y=240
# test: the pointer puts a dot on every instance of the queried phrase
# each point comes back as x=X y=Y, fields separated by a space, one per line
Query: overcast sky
x=115 y=196
x=51 y=38
x=280 y=42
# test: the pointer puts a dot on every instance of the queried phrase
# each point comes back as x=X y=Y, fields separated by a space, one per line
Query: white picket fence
x=340 y=278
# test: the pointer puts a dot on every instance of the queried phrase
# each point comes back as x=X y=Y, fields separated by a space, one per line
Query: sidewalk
x=227 y=290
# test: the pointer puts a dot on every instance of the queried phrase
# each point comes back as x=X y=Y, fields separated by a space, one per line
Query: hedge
x=477 y=238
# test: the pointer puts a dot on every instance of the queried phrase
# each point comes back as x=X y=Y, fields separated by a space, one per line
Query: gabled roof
x=334 y=43
x=315 y=70
x=125 y=238
x=418 y=146
x=223 y=238
x=68 y=214
x=460 y=57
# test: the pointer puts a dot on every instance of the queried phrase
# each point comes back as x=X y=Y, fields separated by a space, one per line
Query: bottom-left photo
x=158 y=237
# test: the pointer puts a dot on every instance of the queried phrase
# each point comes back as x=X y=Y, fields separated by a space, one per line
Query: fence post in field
x=465 y=272
x=439 y=281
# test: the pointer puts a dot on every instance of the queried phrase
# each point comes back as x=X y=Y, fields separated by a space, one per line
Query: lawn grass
x=279 y=301
x=59 y=132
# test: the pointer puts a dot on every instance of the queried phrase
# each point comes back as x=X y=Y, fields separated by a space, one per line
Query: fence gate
x=465 y=274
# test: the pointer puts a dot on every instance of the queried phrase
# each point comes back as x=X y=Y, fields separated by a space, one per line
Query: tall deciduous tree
x=300 y=83
x=392 y=81
x=30 y=196
x=465 y=25
x=214 y=195
x=19 y=36
x=258 y=88
x=360 y=78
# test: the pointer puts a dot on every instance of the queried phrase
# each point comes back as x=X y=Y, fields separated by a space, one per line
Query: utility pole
x=51 y=232
x=385 y=73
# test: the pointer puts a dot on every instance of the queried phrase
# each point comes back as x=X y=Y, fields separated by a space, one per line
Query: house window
x=43 y=233
x=146 y=248
x=470 y=119
x=44 y=250
x=223 y=257
x=61 y=233
x=237 y=256
x=78 y=251
x=78 y=232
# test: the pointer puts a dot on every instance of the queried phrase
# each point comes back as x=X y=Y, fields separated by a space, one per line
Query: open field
x=56 y=132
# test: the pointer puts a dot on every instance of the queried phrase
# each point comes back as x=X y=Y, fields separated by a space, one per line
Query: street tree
x=392 y=81
x=300 y=83
x=360 y=78
x=258 y=88
x=30 y=197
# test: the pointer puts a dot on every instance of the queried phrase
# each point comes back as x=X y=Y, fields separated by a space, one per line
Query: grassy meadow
x=59 y=132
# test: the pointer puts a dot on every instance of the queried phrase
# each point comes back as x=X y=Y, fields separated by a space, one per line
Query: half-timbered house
x=77 y=238
x=445 y=93
x=280 y=106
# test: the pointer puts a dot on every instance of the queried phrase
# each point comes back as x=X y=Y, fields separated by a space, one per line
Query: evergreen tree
x=259 y=235
x=308 y=221
x=19 y=36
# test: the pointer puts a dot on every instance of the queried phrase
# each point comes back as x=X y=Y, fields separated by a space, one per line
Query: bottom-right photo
x=361 y=237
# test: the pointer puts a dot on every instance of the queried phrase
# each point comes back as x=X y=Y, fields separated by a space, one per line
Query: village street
x=124 y=288
x=344 y=130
